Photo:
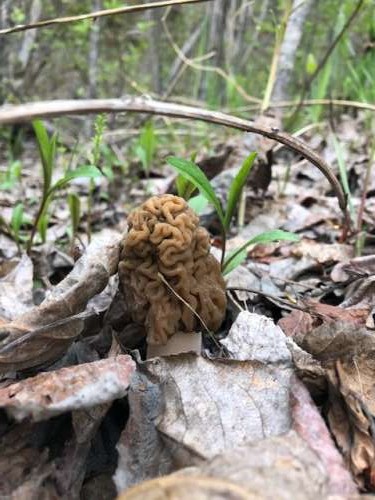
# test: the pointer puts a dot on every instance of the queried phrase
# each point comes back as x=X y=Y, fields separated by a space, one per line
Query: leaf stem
x=42 y=206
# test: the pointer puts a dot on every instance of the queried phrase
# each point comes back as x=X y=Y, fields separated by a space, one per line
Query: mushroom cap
x=164 y=237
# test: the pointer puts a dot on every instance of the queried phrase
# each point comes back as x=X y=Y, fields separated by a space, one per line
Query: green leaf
x=195 y=175
x=88 y=171
x=141 y=153
x=145 y=150
x=311 y=64
x=198 y=203
x=75 y=210
x=236 y=257
x=43 y=225
x=46 y=151
x=17 y=218
x=236 y=188
x=185 y=188
x=344 y=175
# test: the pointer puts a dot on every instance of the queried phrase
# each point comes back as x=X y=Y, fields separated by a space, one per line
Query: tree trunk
x=217 y=12
x=153 y=15
x=289 y=48
x=4 y=50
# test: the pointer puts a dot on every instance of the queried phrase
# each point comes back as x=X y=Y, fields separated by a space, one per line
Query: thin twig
x=48 y=109
x=95 y=15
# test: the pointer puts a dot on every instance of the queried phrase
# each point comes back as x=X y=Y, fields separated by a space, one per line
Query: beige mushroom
x=164 y=238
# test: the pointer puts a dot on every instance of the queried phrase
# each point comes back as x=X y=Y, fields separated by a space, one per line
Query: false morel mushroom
x=165 y=263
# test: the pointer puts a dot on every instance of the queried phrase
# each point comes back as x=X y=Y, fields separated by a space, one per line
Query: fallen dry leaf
x=346 y=353
x=185 y=488
x=185 y=409
x=73 y=388
x=282 y=467
x=309 y=424
x=323 y=252
x=89 y=277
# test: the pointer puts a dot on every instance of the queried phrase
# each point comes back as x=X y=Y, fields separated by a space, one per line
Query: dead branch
x=49 y=109
x=95 y=15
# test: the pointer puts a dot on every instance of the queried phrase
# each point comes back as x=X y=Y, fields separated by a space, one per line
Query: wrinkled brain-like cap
x=164 y=237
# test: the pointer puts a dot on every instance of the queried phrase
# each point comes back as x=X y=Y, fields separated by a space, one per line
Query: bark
x=154 y=50
x=217 y=12
x=4 y=50
x=29 y=36
x=94 y=53
x=292 y=38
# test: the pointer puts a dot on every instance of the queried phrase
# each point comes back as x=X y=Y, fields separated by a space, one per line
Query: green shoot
x=236 y=188
x=74 y=203
x=344 y=175
x=196 y=176
x=47 y=151
x=145 y=149
x=12 y=175
x=236 y=257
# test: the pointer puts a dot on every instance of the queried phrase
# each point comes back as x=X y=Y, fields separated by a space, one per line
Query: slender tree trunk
x=4 y=51
x=288 y=51
x=216 y=43
x=94 y=53
x=153 y=15
x=93 y=57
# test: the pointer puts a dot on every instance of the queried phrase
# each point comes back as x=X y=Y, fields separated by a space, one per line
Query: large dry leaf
x=282 y=467
x=309 y=424
x=323 y=252
x=186 y=409
x=20 y=348
x=175 y=487
x=347 y=354
x=74 y=388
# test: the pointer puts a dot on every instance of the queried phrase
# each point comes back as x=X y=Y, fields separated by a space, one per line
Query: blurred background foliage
x=229 y=45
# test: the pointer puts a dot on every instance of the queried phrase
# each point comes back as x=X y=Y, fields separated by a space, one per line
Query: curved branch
x=49 y=109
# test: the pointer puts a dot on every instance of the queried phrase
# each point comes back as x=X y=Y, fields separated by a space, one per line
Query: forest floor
x=282 y=400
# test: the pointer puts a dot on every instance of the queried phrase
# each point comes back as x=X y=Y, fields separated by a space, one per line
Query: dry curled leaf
x=346 y=353
x=89 y=277
x=73 y=388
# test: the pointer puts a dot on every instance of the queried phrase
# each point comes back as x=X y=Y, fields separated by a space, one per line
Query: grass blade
x=88 y=171
x=195 y=175
x=236 y=257
x=236 y=188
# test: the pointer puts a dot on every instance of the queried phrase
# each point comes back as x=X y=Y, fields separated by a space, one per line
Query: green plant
x=74 y=203
x=196 y=176
x=146 y=147
x=12 y=175
x=47 y=152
